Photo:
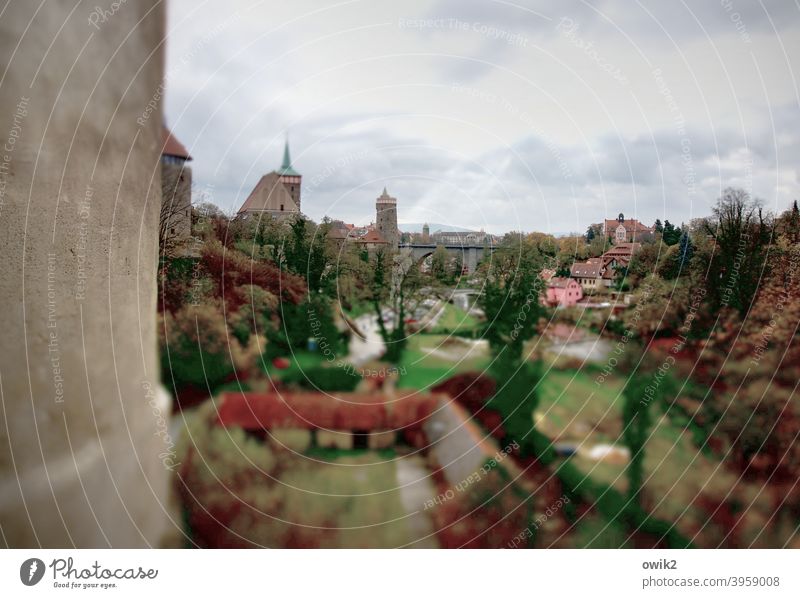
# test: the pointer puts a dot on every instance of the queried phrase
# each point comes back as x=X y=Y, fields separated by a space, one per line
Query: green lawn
x=355 y=494
x=573 y=408
x=433 y=358
x=454 y=319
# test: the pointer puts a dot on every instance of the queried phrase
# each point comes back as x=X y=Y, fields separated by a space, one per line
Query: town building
x=626 y=230
x=386 y=219
x=467 y=238
x=620 y=254
x=176 y=191
x=277 y=194
x=592 y=274
x=600 y=272
x=562 y=291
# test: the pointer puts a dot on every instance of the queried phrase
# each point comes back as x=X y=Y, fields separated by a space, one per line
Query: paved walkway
x=371 y=346
x=416 y=487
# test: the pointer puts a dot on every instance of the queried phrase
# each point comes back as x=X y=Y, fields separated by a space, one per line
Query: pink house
x=563 y=291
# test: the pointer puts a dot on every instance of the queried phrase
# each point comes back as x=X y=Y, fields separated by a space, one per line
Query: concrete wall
x=84 y=445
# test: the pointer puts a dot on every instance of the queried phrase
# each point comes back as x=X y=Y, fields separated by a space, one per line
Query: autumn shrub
x=196 y=348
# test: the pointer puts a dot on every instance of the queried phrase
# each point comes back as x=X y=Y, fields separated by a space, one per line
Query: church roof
x=269 y=195
x=170 y=146
x=631 y=225
x=286 y=167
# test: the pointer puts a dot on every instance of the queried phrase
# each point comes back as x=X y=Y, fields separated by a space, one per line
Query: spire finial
x=287 y=160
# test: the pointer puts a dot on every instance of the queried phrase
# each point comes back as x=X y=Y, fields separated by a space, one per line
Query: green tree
x=636 y=427
x=742 y=235
x=393 y=291
x=510 y=299
x=670 y=235
x=440 y=264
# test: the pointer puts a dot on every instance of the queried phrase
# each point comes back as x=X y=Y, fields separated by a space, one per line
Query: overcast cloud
x=486 y=114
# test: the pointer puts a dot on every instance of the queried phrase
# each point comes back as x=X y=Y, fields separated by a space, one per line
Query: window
x=281 y=207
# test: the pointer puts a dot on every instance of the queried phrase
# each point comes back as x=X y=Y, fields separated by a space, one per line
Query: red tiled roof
x=344 y=411
x=630 y=224
x=373 y=236
x=586 y=270
x=560 y=282
x=170 y=146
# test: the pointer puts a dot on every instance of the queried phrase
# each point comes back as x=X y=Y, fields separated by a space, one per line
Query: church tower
x=386 y=218
x=290 y=178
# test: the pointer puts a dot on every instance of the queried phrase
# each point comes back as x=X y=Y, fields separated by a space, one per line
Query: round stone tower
x=386 y=218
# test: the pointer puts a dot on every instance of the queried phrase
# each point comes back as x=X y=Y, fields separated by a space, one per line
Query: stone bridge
x=470 y=254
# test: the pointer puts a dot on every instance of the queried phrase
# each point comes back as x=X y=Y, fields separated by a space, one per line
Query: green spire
x=286 y=167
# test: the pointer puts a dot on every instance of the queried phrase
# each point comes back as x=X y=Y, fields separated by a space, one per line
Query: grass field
x=454 y=319
x=573 y=408
x=356 y=494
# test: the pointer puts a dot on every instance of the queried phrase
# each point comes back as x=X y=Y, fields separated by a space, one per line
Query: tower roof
x=170 y=146
x=385 y=197
x=286 y=168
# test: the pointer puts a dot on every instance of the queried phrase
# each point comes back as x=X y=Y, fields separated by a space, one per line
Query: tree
x=742 y=234
x=439 y=264
x=307 y=252
x=789 y=223
x=685 y=252
x=590 y=234
x=510 y=300
x=175 y=217
x=659 y=228
x=636 y=425
x=670 y=235
x=393 y=291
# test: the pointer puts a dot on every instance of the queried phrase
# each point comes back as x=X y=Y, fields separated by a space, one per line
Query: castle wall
x=176 y=186
x=84 y=445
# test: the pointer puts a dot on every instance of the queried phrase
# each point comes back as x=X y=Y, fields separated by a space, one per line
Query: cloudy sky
x=501 y=115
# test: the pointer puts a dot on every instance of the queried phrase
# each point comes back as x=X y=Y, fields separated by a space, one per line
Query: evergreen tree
x=685 y=252
x=658 y=226
x=670 y=234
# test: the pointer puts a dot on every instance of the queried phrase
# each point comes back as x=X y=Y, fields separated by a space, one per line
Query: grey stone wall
x=84 y=451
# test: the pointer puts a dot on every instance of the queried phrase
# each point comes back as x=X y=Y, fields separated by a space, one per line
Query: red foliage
x=471 y=389
x=229 y=269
